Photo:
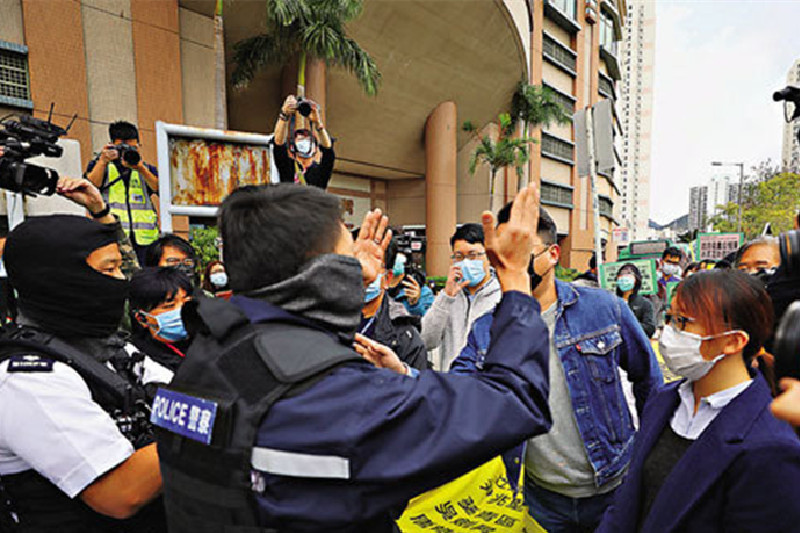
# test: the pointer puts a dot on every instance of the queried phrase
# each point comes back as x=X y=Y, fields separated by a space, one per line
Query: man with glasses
x=574 y=469
x=172 y=251
x=471 y=291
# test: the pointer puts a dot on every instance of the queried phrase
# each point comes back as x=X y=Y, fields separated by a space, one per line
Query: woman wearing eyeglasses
x=709 y=455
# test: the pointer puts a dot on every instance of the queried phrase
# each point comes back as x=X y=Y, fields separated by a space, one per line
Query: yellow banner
x=479 y=501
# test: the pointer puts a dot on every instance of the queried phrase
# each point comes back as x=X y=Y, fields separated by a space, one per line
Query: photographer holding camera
x=304 y=158
x=127 y=182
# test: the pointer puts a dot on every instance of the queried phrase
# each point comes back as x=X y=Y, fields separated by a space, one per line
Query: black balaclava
x=58 y=290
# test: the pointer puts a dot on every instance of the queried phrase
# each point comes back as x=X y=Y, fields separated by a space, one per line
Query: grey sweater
x=447 y=323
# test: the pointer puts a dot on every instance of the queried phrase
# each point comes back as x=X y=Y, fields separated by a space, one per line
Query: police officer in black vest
x=76 y=452
x=273 y=423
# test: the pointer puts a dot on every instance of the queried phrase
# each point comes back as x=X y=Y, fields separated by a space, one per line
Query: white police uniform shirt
x=49 y=423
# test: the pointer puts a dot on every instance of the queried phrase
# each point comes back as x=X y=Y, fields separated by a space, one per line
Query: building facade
x=790 y=155
x=698 y=208
x=636 y=114
x=402 y=151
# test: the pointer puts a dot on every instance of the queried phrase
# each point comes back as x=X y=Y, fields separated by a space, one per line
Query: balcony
x=557 y=194
x=557 y=149
x=606 y=87
x=606 y=207
x=559 y=54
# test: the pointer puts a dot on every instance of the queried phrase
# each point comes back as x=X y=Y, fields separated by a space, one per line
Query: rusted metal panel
x=203 y=172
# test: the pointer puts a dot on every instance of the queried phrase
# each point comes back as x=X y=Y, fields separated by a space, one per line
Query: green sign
x=608 y=275
x=671 y=286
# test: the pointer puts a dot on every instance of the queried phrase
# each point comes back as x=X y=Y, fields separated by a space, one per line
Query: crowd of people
x=314 y=381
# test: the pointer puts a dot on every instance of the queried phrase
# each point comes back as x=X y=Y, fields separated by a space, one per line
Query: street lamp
x=741 y=183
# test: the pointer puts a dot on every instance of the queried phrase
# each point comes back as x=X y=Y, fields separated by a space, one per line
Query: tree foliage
x=300 y=28
x=204 y=241
x=507 y=151
x=537 y=105
x=774 y=200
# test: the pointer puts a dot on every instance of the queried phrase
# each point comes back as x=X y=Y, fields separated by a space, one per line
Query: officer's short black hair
x=150 y=287
x=154 y=251
x=674 y=251
x=472 y=233
x=546 y=230
x=122 y=131
x=271 y=231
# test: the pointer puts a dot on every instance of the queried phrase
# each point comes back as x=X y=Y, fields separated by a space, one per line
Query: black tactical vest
x=242 y=369
x=39 y=506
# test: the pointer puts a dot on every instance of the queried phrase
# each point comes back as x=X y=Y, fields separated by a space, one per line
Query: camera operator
x=75 y=442
x=298 y=159
x=127 y=183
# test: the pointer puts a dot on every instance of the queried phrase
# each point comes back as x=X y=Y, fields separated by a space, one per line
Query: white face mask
x=304 y=147
x=681 y=352
x=671 y=270
x=218 y=279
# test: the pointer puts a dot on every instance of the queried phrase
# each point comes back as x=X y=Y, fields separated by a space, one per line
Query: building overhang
x=470 y=52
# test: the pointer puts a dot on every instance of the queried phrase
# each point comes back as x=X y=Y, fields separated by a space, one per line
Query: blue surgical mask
x=170 y=326
x=373 y=289
x=472 y=271
x=626 y=283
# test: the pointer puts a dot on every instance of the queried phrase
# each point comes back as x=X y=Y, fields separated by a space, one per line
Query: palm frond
x=286 y=12
x=252 y=54
x=359 y=63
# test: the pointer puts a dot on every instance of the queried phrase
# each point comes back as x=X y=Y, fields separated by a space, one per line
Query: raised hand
x=82 y=192
x=370 y=246
x=412 y=289
x=510 y=246
x=455 y=281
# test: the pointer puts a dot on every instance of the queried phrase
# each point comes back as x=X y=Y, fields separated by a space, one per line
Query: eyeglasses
x=680 y=320
x=472 y=256
x=174 y=262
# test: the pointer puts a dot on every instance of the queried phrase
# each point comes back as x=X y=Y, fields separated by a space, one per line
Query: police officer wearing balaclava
x=75 y=451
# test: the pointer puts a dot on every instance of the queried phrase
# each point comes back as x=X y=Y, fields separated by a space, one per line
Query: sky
x=717 y=63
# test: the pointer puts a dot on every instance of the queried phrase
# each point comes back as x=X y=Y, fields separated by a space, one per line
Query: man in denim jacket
x=572 y=471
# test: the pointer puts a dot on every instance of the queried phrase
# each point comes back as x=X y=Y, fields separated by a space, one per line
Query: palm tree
x=505 y=152
x=220 y=118
x=306 y=28
x=535 y=106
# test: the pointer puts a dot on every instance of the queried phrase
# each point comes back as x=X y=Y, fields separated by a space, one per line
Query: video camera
x=784 y=286
x=25 y=138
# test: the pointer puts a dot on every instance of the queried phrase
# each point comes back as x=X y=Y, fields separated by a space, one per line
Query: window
x=562 y=99
x=14 y=86
x=556 y=194
x=556 y=148
x=568 y=7
x=559 y=54
x=607 y=33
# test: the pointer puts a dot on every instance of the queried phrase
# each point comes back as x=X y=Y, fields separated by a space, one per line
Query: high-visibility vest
x=133 y=206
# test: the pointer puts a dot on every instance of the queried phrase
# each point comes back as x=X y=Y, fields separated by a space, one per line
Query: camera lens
x=304 y=108
x=131 y=157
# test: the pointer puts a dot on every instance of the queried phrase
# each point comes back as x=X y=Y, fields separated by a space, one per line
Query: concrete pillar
x=316 y=86
x=440 y=186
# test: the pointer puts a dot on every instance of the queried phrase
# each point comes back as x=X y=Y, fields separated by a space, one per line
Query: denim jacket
x=595 y=333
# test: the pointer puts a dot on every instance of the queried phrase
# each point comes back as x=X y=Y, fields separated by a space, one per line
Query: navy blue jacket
x=595 y=333
x=401 y=436
x=741 y=474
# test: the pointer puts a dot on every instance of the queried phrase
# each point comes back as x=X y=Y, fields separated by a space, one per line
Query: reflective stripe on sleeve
x=282 y=463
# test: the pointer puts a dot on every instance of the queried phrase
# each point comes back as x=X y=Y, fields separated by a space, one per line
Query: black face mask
x=536 y=279
x=58 y=290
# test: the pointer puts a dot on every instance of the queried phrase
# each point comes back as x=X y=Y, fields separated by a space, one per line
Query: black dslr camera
x=129 y=154
x=25 y=138
x=304 y=107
